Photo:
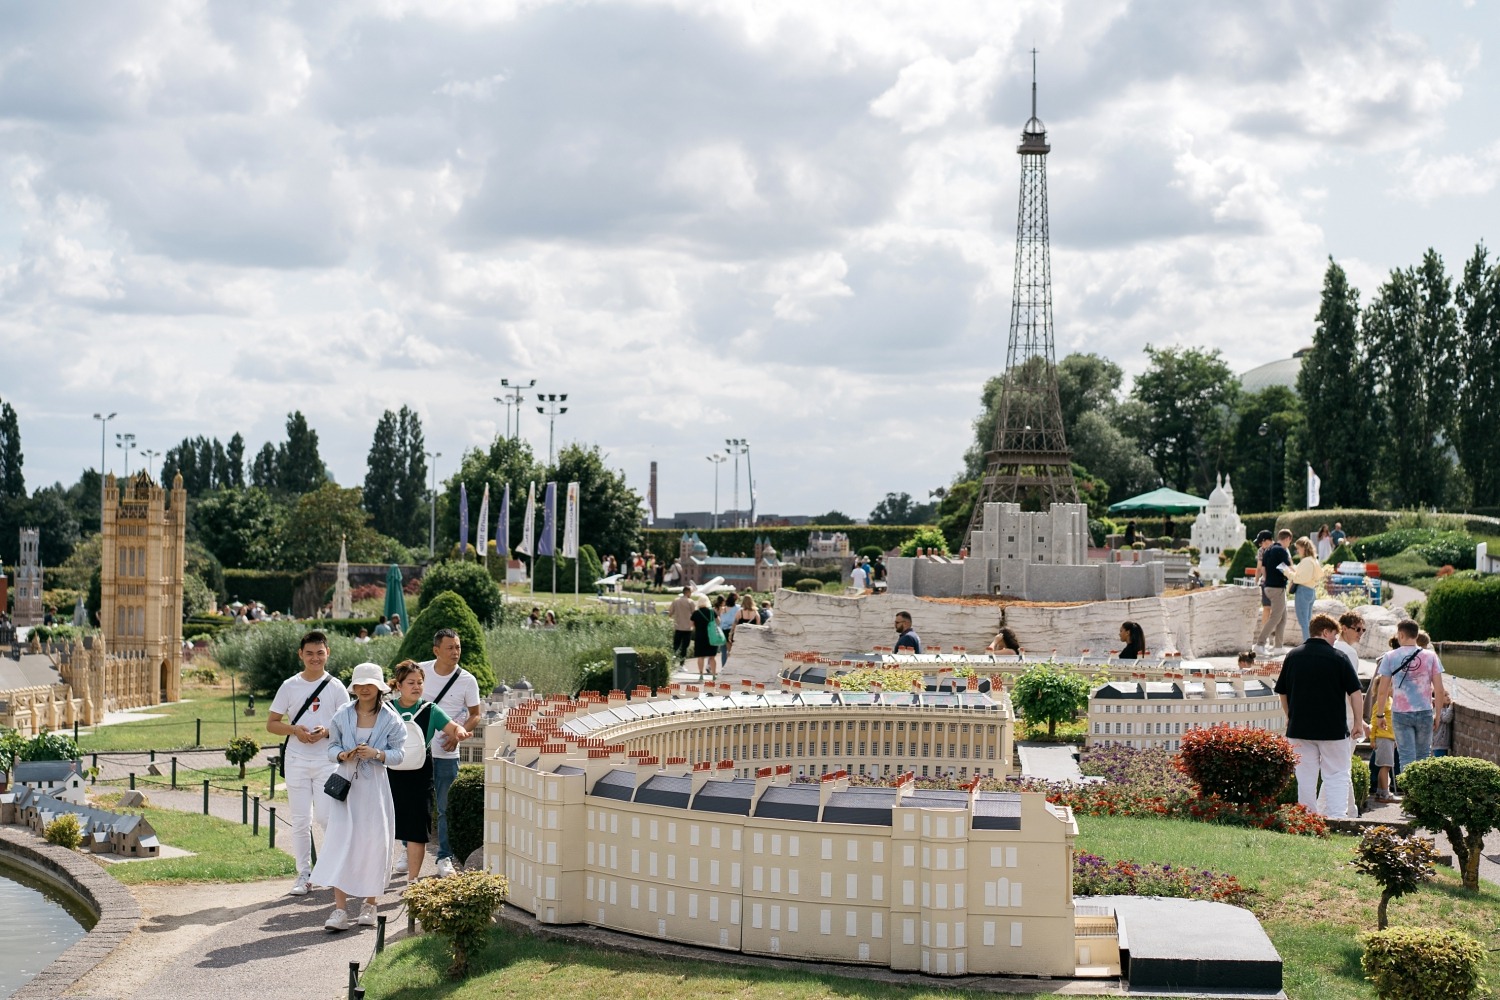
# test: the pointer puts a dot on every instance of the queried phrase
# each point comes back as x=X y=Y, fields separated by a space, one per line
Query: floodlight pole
x=515 y=398
x=126 y=443
x=551 y=411
x=718 y=460
x=103 y=425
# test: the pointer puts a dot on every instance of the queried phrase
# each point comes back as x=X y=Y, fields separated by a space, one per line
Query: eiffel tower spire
x=1029 y=462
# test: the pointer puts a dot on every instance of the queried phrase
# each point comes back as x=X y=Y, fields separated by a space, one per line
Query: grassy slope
x=177 y=730
x=1313 y=905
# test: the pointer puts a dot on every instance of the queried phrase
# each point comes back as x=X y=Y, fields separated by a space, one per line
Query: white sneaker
x=401 y=862
x=444 y=867
x=300 y=887
x=367 y=915
x=338 y=920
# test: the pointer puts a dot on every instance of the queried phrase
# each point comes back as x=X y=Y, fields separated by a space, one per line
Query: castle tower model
x=1217 y=529
x=29 y=609
x=141 y=575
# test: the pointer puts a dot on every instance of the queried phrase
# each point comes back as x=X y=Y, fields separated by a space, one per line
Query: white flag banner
x=1314 y=485
x=528 y=525
x=570 y=523
x=483 y=525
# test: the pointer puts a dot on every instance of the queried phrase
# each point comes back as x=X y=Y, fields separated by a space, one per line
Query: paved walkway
x=1049 y=761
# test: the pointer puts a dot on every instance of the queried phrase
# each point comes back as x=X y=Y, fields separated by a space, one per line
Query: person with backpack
x=1412 y=678
x=458 y=697
x=309 y=699
x=411 y=782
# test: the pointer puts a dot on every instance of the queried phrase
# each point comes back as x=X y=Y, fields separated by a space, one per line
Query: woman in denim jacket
x=364 y=736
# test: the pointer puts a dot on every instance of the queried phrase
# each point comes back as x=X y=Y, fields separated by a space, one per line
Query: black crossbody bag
x=298 y=717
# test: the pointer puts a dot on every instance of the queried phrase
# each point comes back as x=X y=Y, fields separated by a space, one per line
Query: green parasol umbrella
x=1162 y=501
x=395 y=598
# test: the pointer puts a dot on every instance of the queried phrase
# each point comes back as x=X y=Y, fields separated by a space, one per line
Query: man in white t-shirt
x=459 y=700
x=306 y=766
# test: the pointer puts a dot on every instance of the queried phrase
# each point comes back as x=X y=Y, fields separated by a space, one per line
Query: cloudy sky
x=785 y=221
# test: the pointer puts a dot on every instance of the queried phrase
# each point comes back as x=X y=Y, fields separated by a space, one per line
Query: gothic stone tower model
x=141 y=575
x=1029 y=460
x=29 y=610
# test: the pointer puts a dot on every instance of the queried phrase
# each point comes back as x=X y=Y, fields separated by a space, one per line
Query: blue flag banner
x=502 y=529
x=463 y=520
x=547 y=544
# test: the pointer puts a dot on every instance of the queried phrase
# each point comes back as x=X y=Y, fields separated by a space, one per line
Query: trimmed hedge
x=664 y=543
x=343 y=626
x=1423 y=963
x=1360 y=523
x=448 y=610
x=466 y=811
x=273 y=588
x=1243 y=559
x=1460 y=609
x=472 y=583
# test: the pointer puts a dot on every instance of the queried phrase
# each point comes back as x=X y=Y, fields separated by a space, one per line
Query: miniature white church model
x=343 y=599
x=1217 y=529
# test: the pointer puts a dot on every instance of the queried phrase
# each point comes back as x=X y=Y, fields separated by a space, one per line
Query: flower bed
x=1094 y=876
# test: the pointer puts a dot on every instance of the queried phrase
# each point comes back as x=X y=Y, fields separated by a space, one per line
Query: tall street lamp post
x=736 y=447
x=718 y=460
x=515 y=398
x=126 y=443
x=551 y=411
x=150 y=454
x=103 y=425
x=432 y=457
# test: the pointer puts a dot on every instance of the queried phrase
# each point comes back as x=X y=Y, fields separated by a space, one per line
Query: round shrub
x=241 y=751
x=1237 y=765
x=1423 y=963
x=461 y=908
x=1459 y=796
x=1461 y=609
x=808 y=585
x=1046 y=693
x=448 y=610
x=929 y=539
x=469 y=581
x=64 y=832
x=1400 y=864
x=466 y=811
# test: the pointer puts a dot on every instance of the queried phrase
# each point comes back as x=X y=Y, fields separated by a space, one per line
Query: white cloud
x=1425 y=177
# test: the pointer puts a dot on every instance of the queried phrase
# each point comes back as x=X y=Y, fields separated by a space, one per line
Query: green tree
x=235 y=453
x=448 y=610
x=1459 y=796
x=1049 y=693
x=833 y=517
x=928 y=538
x=263 y=471
x=1411 y=329
x=380 y=495
x=589 y=570
x=313 y=528
x=1400 y=864
x=507 y=460
x=241 y=751
x=955 y=510
x=1477 y=402
x=299 y=467
x=1266 y=474
x=242 y=527
x=1109 y=453
x=1087 y=383
x=49 y=510
x=83 y=498
x=469 y=581
x=1188 y=394
x=609 y=511
x=12 y=481
x=396 y=477
x=1338 y=389
x=900 y=508
x=202 y=462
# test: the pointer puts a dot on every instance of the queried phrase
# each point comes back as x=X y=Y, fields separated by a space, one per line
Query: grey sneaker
x=444 y=867
x=338 y=920
x=367 y=915
x=301 y=886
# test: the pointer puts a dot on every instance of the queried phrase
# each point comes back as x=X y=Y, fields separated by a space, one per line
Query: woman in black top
x=705 y=651
x=1134 y=638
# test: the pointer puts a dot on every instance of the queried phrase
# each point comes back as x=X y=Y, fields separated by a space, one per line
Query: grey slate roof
x=44 y=770
x=997 y=811
x=789 y=802
x=863 y=806
x=731 y=797
x=666 y=790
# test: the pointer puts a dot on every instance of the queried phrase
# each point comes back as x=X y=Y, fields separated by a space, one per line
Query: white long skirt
x=356 y=855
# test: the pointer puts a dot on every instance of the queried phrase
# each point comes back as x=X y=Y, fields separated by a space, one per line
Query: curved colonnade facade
x=681 y=817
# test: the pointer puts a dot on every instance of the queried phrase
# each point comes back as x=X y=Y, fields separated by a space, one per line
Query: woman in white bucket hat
x=364 y=737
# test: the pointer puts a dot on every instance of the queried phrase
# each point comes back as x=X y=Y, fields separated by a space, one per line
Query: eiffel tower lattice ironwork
x=1029 y=460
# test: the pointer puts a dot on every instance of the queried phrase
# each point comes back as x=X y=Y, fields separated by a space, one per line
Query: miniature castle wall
x=948 y=883
x=141 y=575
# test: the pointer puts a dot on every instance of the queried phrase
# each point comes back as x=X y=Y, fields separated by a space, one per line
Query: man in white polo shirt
x=456 y=692
x=308 y=700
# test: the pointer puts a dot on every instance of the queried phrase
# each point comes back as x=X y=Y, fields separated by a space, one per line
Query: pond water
x=38 y=922
x=1473 y=665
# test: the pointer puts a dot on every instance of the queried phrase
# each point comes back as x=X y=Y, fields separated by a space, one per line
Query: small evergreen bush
x=1459 y=796
x=466 y=811
x=1237 y=765
x=1243 y=559
x=470 y=581
x=64 y=831
x=461 y=908
x=1424 y=963
x=448 y=610
x=807 y=585
x=1461 y=608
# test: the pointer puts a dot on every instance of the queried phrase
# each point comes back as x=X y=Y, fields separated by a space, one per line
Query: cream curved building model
x=727 y=820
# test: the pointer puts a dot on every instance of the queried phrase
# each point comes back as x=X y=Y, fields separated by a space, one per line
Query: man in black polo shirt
x=1319 y=694
x=1275 y=562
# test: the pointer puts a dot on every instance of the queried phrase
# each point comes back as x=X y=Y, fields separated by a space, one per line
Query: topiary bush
x=589 y=570
x=466 y=811
x=1243 y=559
x=807 y=585
x=241 y=751
x=1047 y=693
x=1400 y=864
x=469 y=581
x=448 y=610
x=1423 y=963
x=64 y=832
x=461 y=908
x=1459 y=796
x=1237 y=765
x=1461 y=608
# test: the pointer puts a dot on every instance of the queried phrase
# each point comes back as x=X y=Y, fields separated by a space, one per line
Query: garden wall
x=1213 y=622
x=1476 y=718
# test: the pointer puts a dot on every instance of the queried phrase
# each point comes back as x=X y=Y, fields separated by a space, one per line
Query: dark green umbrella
x=1162 y=501
x=395 y=597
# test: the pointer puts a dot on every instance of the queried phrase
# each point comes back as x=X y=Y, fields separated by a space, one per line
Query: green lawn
x=224 y=851
x=1312 y=903
x=224 y=780
x=178 y=729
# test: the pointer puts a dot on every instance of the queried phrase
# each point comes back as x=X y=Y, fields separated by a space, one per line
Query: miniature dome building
x=1217 y=529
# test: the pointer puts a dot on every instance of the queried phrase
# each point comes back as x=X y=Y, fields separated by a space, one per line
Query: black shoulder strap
x=310 y=699
x=457 y=672
x=1405 y=664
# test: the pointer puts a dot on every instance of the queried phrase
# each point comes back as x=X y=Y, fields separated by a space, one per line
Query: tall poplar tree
x=299 y=467
x=380 y=496
x=1338 y=389
x=12 y=481
x=236 y=455
x=411 y=477
x=1476 y=418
